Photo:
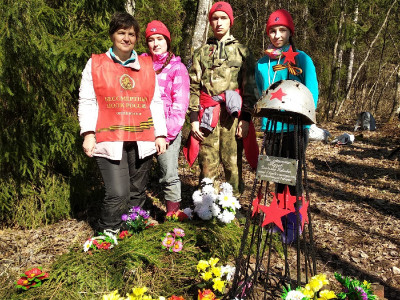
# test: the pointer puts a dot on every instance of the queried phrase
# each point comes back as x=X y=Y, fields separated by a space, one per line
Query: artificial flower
x=188 y=212
x=23 y=281
x=229 y=271
x=177 y=247
x=307 y=291
x=179 y=232
x=139 y=291
x=207 y=276
x=215 y=209
x=205 y=214
x=168 y=241
x=226 y=188
x=326 y=295
x=206 y=294
x=213 y=261
x=173 y=297
x=33 y=272
x=216 y=271
x=197 y=197
x=206 y=181
x=294 y=295
x=123 y=234
x=87 y=245
x=226 y=216
x=202 y=265
x=208 y=190
x=219 y=285
x=113 y=296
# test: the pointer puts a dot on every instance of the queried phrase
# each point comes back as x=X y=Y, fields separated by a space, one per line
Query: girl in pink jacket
x=173 y=80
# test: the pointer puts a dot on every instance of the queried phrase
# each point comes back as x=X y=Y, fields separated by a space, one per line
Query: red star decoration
x=290 y=55
x=273 y=214
x=286 y=200
x=278 y=95
x=256 y=203
x=304 y=215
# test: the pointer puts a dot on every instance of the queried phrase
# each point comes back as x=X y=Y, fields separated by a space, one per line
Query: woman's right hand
x=89 y=143
x=197 y=134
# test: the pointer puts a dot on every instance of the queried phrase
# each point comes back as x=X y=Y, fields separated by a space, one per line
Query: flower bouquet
x=172 y=241
x=312 y=290
x=208 y=203
x=354 y=289
x=103 y=241
x=214 y=277
x=136 y=220
x=31 y=278
x=138 y=293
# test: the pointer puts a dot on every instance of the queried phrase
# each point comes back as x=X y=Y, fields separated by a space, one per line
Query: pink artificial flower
x=45 y=276
x=179 y=232
x=168 y=241
x=23 y=281
x=177 y=247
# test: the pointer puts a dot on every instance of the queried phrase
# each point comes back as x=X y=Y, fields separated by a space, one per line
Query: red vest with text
x=124 y=96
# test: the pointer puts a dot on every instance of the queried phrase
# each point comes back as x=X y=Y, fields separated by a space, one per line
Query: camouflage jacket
x=219 y=66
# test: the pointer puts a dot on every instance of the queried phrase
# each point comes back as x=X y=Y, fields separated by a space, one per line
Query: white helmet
x=287 y=98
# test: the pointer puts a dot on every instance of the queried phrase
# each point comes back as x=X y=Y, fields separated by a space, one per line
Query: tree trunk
x=353 y=43
x=130 y=7
x=334 y=67
x=201 y=27
x=365 y=58
x=396 y=102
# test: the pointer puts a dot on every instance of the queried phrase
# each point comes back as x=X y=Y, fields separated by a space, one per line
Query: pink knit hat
x=221 y=6
x=157 y=27
x=280 y=17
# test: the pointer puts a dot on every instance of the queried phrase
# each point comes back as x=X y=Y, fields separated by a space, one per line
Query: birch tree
x=201 y=27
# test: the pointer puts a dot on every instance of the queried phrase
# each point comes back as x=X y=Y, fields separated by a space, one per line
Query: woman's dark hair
x=292 y=43
x=125 y=21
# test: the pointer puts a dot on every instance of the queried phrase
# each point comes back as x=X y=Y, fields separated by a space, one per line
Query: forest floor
x=355 y=205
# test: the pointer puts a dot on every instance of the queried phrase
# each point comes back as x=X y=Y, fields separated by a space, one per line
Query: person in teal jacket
x=280 y=30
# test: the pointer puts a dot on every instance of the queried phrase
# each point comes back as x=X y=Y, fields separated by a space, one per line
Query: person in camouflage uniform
x=222 y=64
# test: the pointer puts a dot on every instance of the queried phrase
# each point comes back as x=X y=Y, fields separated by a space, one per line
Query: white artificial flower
x=226 y=188
x=197 y=197
x=235 y=204
x=226 y=216
x=205 y=214
x=294 y=295
x=229 y=271
x=208 y=189
x=189 y=212
x=87 y=245
x=225 y=200
x=208 y=199
x=215 y=209
x=206 y=181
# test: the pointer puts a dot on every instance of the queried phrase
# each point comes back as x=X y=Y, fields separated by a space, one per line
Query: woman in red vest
x=122 y=120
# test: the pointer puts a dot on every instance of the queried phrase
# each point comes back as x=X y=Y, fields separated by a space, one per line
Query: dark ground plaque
x=277 y=169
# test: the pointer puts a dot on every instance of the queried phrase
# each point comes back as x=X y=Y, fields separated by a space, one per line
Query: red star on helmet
x=278 y=95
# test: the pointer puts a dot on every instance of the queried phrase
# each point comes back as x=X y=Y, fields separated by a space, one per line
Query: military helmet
x=285 y=99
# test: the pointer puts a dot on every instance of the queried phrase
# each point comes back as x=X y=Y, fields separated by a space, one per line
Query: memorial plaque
x=277 y=169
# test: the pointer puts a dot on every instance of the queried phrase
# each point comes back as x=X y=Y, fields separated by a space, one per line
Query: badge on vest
x=126 y=82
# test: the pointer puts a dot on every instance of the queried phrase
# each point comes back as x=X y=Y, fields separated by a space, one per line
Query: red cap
x=221 y=6
x=157 y=27
x=280 y=17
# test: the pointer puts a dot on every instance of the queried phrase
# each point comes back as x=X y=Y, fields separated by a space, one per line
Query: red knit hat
x=157 y=27
x=221 y=6
x=280 y=17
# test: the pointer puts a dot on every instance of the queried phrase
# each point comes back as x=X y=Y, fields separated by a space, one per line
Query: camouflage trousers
x=221 y=146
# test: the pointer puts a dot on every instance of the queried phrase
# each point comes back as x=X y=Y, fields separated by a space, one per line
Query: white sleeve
x=157 y=112
x=88 y=108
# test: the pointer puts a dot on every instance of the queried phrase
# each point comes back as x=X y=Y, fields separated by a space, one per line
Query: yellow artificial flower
x=213 y=261
x=202 y=265
x=367 y=284
x=219 y=285
x=216 y=271
x=326 y=295
x=322 y=278
x=207 y=276
x=307 y=291
x=315 y=285
x=113 y=296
